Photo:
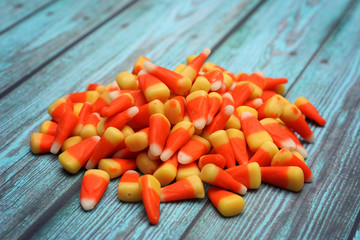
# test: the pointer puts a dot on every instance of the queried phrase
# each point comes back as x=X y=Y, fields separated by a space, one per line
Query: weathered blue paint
x=282 y=43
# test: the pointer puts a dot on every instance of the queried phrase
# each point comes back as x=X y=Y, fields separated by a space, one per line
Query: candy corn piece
x=127 y=81
x=215 y=101
x=121 y=103
x=238 y=145
x=278 y=134
x=241 y=109
x=241 y=93
x=93 y=186
x=193 y=67
x=227 y=203
x=309 y=110
x=150 y=194
x=177 y=83
x=64 y=129
x=69 y=142
x=103 y=101
x=179 y=135
x=214 y=175
x=159 y=129
x=187 y=170
x=272 y=108
x=298 y=155
x=116 y=167
x=197 y=104
x=216 y=78
x=139 y=98
x=89 y=128
x=254 y=132
x=293 y=118
x=200 y=83
x=220 y=141
x=254 y=103
x=81 y=97
x=57 y=109
x=193 y=149
x=286 y=158
x=247 y=174
x=174 y=109
x=141 y=120
x=216 y=159
x=264 y=154
x=41 y=142
x=138 y=141
x=75 y=157
x=107 y=144
x=271 y=83
x=233 y=122
x=166 y=172
x=145 y=164
x=267 y=94
x=96 y=87
x=84 y=114
x=219 y=121
x=227 y=83
x=290 y=178
x=187 y=188
x=118 y=120
x=48 y=127
x=129 y=189
x=139 y=64
x=152 y=87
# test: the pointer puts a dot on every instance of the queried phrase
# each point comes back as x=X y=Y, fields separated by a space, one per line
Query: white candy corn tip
x=289 y=144
x=90 y=165
x=133 y=111
x=215 y=86
x=302 y=151
x=310 y=139
x=166 y=155
x=209 y=119
x=118 y=154
x=199 y=123
x=232 y=86
x=242 y=190
x=310 y=178
x=228 y=96
x=258 y=102
x=55 y=147
x=183 y=158
x=114 y=95
x=131 y=171
x=229 y=109
x=87 y=204
x=245 y=115
x=154 y=149
x=206 y=51
x=142 y=72
x=114 y=84
x=162 y=196
x=149 y=66
x=223 y=86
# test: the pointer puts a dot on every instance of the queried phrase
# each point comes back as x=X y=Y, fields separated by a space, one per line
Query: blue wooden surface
x=316 y=44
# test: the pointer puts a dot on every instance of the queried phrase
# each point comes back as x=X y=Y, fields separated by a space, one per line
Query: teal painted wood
x=32 y=43
x=30 y=177
x=124 y=220
x=328 y=207
x=12 y=12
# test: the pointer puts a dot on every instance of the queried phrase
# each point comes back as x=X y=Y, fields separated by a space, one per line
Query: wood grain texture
x=124 y=220
x=31 y=178
x=30 y=45
x=12 y=12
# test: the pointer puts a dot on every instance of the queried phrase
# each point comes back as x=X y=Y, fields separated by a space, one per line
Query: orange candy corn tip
x=129 y=189
x=150 y=194
x=216 y=159
x=93 y=186
x=187 y=188
x=227 y=203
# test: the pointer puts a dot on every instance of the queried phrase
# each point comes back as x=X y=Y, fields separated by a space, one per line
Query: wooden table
x=51 y=48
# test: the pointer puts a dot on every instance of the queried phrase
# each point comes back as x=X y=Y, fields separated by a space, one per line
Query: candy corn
x=121 y=103
x=69 y=142
x=197 y=107
x=159 y=129
x=129 y=189
x=174 y=109
x=238 y=145
x=116 y=167
x=216 y=159
x=309 y=110
x=150 y=194
x=278 y=134
x=290 y=178
x=247 y=174
x=187 y=170
x=93 y=186
x=264 y=154
x=90 y=126
x=152 y=87
x=138 y=141
x=139 y=64
x=41 y=142
x=227 y=203
x=145 y=164
x=166 y=172
x=193 y=149
x=220 y=141
x=48 y=127
x=127 y=81
x=187 y=188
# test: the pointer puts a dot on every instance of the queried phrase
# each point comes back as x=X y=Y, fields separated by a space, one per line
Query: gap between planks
x=13 y=86
x=56 y=206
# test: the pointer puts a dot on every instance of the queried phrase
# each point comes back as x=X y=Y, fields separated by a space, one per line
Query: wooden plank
x=326 y=208
x=12 y=12
x=31 y=178
x=129 y=221
x=35 y=42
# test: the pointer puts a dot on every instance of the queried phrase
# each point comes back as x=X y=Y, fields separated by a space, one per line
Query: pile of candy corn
x=198 y=123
